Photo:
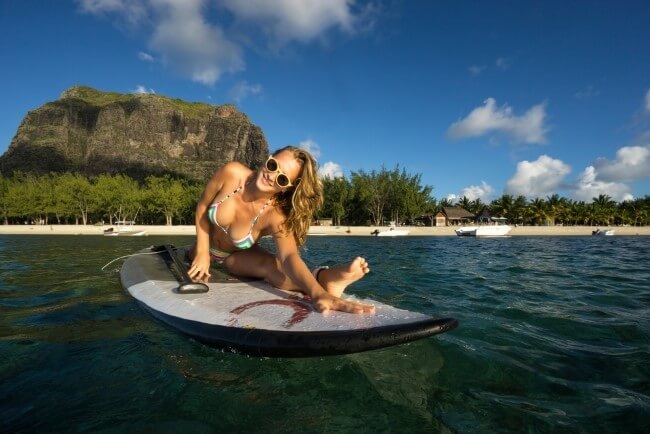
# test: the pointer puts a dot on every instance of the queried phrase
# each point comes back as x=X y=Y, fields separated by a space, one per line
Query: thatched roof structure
x=452 y=215
x=457 y=213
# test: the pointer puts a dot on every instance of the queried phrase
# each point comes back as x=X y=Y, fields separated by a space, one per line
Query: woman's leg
x=259 y=263
x=336 y=279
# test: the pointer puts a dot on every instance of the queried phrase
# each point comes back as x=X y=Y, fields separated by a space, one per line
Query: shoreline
x=447 y=231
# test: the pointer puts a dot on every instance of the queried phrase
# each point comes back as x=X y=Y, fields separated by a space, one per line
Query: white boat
x=606 y=232
x=484 y=231
x=390 y=232
x=124 y=229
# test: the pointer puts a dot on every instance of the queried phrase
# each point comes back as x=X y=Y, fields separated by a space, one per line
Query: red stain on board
x=300 y=309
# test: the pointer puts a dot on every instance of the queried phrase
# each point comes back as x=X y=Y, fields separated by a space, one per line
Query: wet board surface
x=255 y=318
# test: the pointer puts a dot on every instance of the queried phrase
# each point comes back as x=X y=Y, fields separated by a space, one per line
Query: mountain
x=91 y=132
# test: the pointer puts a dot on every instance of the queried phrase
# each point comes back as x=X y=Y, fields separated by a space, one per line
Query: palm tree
x=445 y=203
x=634 y=212
x=555 y=207
x=465 y=203
x=476 y=206
x=642 y=211
x=503 y=206
x=539 y=211
x=604 y=209
x=581 y=212
x=519 y=210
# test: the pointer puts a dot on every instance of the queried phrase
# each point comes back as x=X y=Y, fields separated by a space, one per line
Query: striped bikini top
x=246 y=242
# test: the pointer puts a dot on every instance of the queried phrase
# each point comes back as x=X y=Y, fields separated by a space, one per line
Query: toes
x=361 y=263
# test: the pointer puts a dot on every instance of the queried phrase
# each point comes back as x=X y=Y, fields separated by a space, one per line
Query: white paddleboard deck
x=255 y=318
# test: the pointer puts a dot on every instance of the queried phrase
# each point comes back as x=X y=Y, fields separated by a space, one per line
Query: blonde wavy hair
x=301 y=202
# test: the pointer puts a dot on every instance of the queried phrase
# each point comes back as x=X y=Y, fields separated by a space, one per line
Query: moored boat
x=390 y=232
x=484 y=231
x=606 y=232
x=123 y=229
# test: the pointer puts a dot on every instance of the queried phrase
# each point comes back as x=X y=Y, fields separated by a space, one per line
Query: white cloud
x=643 y=139
x=503 y=63
x=587 y=186
x=528 y=128
x=243 y=90
x=191 y=45
x=483 y=192
x=604 y=176
x=330 y=170
x=476 y=70
x=133 y=11
x=142 y=90
x=145 y=57
x=538 y=178
x=187 y=37
x=310 y=146
x=296 y=20
x=451 y=198
x=632 y=163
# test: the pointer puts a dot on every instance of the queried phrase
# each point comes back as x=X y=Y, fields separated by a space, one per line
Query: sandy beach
x=188 y=230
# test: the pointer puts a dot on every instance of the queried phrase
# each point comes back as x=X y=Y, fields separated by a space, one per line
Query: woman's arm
x=228 y=174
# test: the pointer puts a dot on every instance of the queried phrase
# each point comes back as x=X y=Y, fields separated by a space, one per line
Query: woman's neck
x=251 y=192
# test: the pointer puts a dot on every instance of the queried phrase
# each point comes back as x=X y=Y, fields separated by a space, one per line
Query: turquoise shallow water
x=554 y=336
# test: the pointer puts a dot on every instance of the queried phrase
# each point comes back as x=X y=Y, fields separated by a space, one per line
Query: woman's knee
x=251 y=263
x=237 y=265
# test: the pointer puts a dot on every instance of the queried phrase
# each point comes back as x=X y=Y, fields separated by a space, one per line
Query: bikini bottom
x=218 y=256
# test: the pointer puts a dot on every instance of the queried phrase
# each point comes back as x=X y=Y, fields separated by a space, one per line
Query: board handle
x=186 y=284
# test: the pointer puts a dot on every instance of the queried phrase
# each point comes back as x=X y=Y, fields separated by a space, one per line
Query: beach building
x=324 y=222
x=448 y=216
x=455 y=215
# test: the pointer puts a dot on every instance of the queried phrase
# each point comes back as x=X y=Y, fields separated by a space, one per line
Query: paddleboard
x=254 y=318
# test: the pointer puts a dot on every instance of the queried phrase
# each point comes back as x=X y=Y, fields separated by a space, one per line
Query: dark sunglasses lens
x=271 y=165
x=282 y=180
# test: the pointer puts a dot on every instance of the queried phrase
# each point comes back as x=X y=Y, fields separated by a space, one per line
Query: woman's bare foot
x=336 y=279
x=327 y=302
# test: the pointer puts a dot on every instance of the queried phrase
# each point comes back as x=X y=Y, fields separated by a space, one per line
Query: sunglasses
x=281 y=178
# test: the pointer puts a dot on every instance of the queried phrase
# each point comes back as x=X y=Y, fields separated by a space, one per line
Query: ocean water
x=554 y=336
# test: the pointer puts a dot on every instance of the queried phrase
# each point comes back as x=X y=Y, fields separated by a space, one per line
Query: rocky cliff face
x=93 y=132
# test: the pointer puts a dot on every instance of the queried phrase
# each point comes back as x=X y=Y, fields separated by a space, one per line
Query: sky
x=479 y=98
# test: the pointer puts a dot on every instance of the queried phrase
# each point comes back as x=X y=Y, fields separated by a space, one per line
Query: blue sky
x=482 y=98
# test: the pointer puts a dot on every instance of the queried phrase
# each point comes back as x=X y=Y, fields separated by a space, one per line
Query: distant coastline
x=188 y=230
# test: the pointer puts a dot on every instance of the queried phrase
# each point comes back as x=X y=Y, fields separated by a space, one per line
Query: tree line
x=366 y=198
x=393 y=195
x=557 y=210
x=70 y=198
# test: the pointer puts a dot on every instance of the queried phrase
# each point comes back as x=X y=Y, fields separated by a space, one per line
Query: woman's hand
x=199 y=271
x=326 y=302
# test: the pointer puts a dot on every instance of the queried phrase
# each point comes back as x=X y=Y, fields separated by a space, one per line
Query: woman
x=239 y=206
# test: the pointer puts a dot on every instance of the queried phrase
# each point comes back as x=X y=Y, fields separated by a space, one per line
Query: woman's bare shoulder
x=234 y=168
x=233 y=171
x=229 y=176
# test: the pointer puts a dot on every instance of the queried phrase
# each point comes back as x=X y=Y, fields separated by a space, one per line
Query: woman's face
x=287 y=165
